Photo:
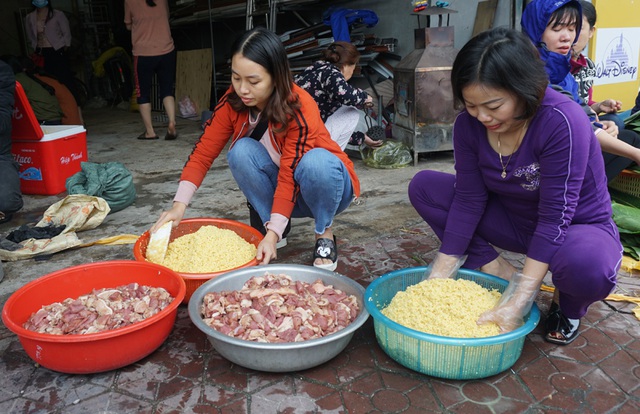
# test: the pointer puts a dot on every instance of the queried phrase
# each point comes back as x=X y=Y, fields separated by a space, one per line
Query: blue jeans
x=619 y=121
x=325 y=185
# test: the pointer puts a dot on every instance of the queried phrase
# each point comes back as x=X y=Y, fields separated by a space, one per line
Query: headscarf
x=535 y=19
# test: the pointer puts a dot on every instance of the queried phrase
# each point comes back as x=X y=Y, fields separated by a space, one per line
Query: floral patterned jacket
x=328 y=87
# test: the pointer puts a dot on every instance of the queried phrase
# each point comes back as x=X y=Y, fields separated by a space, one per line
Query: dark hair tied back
x=341 y=53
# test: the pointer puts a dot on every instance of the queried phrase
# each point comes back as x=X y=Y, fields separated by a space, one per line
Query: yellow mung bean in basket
x=209 y=249
x=444 y=307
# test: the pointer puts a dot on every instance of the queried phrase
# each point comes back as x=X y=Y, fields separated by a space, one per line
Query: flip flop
x=170 y=137
x=143 y=137
x=326 y=249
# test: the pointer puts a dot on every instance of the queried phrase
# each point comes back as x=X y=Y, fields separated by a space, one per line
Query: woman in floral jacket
x=340 y=103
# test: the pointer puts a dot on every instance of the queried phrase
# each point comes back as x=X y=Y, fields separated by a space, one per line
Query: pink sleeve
x=277 y=224
x=186 y=190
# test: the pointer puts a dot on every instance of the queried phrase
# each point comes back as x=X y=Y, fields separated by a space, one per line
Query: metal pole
x=213 y=58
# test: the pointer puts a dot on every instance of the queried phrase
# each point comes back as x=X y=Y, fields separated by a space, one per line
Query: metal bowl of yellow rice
x=440 y=356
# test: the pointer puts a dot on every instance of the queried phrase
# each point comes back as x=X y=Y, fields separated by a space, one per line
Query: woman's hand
x=267 y=249
x=371 y=143
x=617 y=146
x=610 y=127
x=515 y=303
x=444 y=266
x=508 y=317
x=608 y=106
x=176 y=213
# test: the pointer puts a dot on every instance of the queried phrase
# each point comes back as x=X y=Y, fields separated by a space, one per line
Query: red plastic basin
x=97 y=352
x=191 y=225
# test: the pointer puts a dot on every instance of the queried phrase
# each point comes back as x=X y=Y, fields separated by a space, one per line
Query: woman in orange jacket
x=281 y=154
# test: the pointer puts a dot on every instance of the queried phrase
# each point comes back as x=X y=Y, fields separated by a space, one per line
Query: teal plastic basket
x=439 y=356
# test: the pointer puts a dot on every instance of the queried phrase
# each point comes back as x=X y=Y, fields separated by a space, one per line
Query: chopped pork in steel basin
x=281 y=356
x=274 y=308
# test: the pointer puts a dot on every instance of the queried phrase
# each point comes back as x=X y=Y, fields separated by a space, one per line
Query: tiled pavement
x=598 y=373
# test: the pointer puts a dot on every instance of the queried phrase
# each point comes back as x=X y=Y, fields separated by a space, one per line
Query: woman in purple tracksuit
x=529 y=179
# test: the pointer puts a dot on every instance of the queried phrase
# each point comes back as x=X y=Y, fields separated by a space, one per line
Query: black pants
x=56 y=64
x=10 y=195
x=614 y=164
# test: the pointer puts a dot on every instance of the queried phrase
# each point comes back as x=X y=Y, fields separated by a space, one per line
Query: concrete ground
x=598 y=373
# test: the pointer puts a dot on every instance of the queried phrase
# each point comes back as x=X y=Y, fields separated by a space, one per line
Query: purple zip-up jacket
x=555 y=178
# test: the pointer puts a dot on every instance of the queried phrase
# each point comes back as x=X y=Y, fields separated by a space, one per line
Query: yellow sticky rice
x=444 y=307
x=209 y=249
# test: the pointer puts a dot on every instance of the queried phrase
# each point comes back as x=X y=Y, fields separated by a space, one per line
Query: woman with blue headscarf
x=554 y=26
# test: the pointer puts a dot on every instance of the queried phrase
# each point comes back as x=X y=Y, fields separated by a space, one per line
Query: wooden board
x=193 y=78
x=484 y=16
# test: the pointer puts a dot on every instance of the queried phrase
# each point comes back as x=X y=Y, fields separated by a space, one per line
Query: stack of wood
x=305 y=46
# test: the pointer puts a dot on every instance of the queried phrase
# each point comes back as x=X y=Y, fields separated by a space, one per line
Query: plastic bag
x=187 y=107
x=391 y=154
x=633 y=122
x=111 y=181
x=76 y=212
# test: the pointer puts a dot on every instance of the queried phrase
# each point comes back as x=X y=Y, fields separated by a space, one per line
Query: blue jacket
x=534 y=21
x=340 y=19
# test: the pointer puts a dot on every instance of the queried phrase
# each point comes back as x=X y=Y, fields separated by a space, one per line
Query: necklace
x=502 y=164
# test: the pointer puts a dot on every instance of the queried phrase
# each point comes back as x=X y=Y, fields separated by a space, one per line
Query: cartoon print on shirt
x=531 y=173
